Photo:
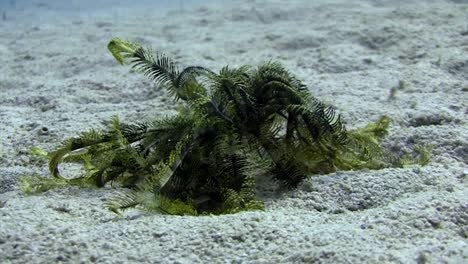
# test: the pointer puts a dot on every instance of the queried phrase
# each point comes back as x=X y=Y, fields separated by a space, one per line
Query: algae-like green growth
x=233 y=127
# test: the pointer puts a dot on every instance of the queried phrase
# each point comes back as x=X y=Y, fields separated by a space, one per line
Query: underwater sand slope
x=57 y=78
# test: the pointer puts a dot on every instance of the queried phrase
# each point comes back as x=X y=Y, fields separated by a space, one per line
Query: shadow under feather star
x=234 y=126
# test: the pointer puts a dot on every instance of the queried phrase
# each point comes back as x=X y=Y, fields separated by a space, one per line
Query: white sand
x=56 y=75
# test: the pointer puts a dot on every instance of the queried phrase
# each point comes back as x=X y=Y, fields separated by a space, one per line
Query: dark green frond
x=287 y=173
x=56 y=158
x=36 y=184
x=122 y=49
x=422 y=156
x=123 y=201
x=320 y=121
x=158 y=68
x=189 y=73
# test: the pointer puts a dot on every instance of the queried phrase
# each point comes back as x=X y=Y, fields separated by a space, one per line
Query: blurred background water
x=11 y=9
x=83 y=5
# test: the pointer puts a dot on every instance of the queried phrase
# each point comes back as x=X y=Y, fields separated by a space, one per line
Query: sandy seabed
x=57 y=78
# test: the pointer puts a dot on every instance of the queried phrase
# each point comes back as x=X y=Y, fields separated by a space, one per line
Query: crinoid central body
x=233 y=126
